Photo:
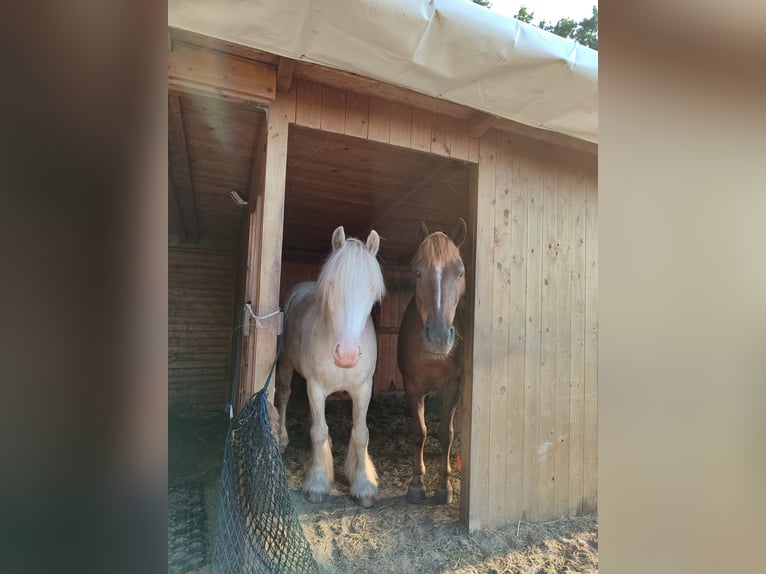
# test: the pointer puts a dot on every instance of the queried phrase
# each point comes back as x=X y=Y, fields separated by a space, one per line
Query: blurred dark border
x=83 y=239
x=83 y=280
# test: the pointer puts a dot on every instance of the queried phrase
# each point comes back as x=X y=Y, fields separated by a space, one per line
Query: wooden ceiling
x=341 y=180
x=210 y=150
x=331 y=180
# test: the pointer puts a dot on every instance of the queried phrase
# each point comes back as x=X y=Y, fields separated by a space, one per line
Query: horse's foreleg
x=318 y=483
x=359 y=468
x=416 y=493
x=450 y=396
x=284 y=380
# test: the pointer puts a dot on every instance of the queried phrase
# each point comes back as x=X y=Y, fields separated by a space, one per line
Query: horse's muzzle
x=439 y=339
x=346 y=357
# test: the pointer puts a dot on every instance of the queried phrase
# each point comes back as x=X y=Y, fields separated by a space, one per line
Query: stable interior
x=332 y=180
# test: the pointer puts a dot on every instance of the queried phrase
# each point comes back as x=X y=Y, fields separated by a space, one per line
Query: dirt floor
x=393 y=536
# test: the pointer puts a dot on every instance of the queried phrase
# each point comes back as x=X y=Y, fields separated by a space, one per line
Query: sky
x=548 y=10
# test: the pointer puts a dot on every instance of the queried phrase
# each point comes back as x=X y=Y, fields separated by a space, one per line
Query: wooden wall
x=200 y=307
x=531 y=436
x=340 y=111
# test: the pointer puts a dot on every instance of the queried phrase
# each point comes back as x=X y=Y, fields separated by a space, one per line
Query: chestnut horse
x=430 y=350
x=330 y=340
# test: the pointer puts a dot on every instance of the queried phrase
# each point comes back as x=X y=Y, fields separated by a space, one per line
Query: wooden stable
x=310 y=148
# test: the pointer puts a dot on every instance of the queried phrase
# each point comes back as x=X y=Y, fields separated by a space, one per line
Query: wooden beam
x=175 y=210
x=546 y=136
x=285 y=73
x=198 y=71
x=177 y=142
x=432 y=172
x=265 y=245
x=479 y=123
x=257 y=166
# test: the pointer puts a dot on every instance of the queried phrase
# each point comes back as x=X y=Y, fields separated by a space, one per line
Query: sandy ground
x=393 y=536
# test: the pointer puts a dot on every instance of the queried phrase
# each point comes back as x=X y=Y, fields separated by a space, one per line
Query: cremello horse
x=330 y=340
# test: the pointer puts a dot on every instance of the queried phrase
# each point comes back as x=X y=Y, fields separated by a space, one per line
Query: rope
x=235 y=381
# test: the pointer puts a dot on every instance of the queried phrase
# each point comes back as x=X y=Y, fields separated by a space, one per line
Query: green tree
x=524 y=15
x=485 y=3
x=585 y=31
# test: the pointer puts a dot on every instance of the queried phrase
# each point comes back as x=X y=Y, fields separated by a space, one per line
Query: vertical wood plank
x=501 y=270
x=563 y=340
x=308 y=111
x=467 y=436
x=577 y=369
x=403 y=296
x=549 y=287
x=379 y=129
x=533 y=336
x=269 y=226
x=480 y=358
x=357 y=114
x=420 y=138
x=459 y=148
x=440 y=135
x=517 y=293
x=473 y=150
x=393 y=321
x=401 y=125
x=333 y=109
x=590 y=430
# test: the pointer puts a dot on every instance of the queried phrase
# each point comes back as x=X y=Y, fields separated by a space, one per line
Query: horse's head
x=350 y=283
x=439 y=284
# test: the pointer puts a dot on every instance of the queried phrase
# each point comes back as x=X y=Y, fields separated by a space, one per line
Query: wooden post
x=475 y=432
x=265 y=245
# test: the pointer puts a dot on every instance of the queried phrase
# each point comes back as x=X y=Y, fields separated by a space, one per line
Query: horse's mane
x=436 y=249
x=344 y=271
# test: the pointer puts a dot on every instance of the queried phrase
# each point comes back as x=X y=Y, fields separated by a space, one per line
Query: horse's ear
x=338 y=238
x=373 y=242
x=422 y=231
x=461 y=230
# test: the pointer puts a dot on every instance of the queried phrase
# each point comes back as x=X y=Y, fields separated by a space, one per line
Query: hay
x=395 y=536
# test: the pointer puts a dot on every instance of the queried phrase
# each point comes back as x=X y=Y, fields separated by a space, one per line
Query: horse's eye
x=460 y=275
x=417 y=274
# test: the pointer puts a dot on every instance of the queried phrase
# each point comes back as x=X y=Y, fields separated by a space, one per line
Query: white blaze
x=438 y=269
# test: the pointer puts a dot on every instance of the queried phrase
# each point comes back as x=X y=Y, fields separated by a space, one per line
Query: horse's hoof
x=443 y=496
x=316 y=497
x=364 y=501
x=416 y=495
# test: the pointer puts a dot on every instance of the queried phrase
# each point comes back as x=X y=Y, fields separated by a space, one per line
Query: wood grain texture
x=268 y=227
x=477 y=514
x=200 y=71
x=333 y=117
x=380 y=120
x=532 y=360
x=357 y=115
x=549 y=300
x=199 y=328
x=590 y=408
x=420 y=138
x=501 y=271
x=517 y=352
x=401 y=125
x=308 y=111
x=577 y=342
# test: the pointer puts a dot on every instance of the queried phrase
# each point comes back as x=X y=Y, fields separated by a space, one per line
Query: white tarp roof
x=451 y=49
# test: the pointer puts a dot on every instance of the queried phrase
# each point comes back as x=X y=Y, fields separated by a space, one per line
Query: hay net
x=258 y=528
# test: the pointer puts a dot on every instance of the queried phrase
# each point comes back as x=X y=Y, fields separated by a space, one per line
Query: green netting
x=258 y=528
